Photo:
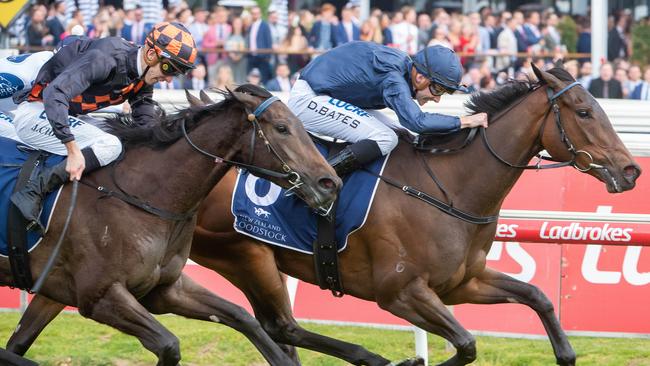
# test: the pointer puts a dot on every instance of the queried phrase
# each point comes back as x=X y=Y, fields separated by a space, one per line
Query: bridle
x=289 y=174
x=552 y=98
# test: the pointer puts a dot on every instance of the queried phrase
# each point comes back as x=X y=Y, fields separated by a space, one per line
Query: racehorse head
x=277 y=141
x=576 y=128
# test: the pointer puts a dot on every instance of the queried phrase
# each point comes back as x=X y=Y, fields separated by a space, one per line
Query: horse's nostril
x=631 y=173
x=327 y=184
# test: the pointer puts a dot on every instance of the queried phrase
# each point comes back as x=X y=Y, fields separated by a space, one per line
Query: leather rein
x=448 y=207
x=288 y=173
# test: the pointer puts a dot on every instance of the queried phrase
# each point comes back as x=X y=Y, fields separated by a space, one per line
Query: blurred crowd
x=268 y=47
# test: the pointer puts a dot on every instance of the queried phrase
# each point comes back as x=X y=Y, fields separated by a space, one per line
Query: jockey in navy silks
x=340 y=92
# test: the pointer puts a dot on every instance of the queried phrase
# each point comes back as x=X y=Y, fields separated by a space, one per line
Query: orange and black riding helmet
x=174 y=42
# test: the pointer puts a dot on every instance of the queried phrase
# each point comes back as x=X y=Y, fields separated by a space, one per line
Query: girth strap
x=442 y=206
x=326 y=254
x=171 y=216
x=16 y=227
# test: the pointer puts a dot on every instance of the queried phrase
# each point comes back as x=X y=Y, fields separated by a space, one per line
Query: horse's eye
x=582 y=113
x=282 y=129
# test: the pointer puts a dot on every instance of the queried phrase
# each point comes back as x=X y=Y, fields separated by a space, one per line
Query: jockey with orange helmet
x=84 y=76
x=340 y=92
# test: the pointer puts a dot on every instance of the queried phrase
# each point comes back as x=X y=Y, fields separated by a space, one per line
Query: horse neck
x=177 y=178
x=475 y=180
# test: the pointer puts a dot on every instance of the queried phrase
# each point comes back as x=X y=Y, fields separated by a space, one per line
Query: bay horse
x=120 y=263
x=412 y=259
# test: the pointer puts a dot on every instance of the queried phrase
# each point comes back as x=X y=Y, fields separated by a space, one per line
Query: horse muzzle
x=620 y=180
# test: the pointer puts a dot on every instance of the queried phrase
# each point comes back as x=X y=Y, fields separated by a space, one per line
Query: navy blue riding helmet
x=442 y=66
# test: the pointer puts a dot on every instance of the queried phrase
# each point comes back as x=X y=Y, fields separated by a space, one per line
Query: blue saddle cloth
x=11 y=160
x=264 y=212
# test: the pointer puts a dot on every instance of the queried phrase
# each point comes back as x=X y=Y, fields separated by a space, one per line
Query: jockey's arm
x=143 y=109
x=397 y=96
x=93 y=67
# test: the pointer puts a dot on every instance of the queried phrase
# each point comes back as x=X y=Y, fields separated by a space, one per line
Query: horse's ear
x=547 y=78
x=559 y=63
x=243 y=98
x=205 y=98
x=194 y=101
x=537 y=72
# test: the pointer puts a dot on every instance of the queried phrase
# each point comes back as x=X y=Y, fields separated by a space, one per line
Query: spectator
x=371 y=31
x=322 y=35
x=424 y=30
x=296 y=42
x=197 y=79
x=571 y=67
x=254 y=77
x=617 y=39
x=634 y=77
x=520 y=32
x=642 y=91
x=532 y=33
x=467 y=43
x=134 y=29
x=405 y=32
x=507 y=43
x=584 y=38
x=38 y=34
x=199 y=25
x=440 y=38
x=585 y=75
x=216 y=36
x=259 y=37
x=236 y=42
x=386 y=33
x=224 y=78
x=487 y=34
x=606 y=86
x=56 y=23
x=281 y=81
x=621 y=75
x=278 y=32
x=346 y=31
x=101 y=26
x=552 y=38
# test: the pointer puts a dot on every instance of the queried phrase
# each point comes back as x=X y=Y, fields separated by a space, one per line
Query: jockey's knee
x=107 y=149
x=386 y=140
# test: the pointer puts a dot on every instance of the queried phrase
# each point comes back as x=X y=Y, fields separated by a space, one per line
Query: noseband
x=289 y=174
x=552 y=99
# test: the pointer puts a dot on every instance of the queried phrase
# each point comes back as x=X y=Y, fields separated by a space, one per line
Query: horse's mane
x=169 y=129
x=502 y=97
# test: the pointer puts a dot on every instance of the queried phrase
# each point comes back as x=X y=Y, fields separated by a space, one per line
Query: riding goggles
x=170 y=68
x=438 y=90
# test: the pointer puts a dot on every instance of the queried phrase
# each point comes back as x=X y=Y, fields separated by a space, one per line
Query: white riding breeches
x=35 y=130
x=324 y=115
x=7 y=128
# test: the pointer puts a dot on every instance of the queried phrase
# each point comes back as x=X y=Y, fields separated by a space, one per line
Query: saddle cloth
x=263 y=211
x=11 y=160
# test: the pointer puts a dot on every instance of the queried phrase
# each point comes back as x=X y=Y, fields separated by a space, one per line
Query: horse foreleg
x=120 y=310
x=421 y=306
x=268 y=295
x=40 y=312
x=185 y=297
x=10 y=359
x=493 y=287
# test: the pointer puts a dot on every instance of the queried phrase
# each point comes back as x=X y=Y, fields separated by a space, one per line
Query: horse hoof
x=416 y=361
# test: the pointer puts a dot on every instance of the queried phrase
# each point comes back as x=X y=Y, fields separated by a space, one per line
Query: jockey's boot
x=354 y=156
x=29 y=200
